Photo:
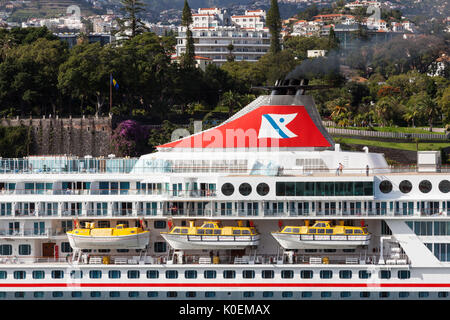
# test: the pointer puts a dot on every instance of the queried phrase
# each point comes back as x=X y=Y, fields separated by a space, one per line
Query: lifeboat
x=211 y=236
x=322 y=236
x=119 y=237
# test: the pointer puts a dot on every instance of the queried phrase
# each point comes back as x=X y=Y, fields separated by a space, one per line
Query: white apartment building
x=214 y=30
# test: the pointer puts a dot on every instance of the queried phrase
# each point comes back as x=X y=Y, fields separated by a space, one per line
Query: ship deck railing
x=89 y=165
x=323 y=258
x=225 y=213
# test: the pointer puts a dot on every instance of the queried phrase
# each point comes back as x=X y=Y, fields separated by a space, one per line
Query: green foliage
x=273 y=21
x=14 y=142
x=131 y=25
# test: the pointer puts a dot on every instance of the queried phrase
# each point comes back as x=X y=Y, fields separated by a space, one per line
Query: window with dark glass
x=262 y=189
x=210 y=274
x=326 y=274
x=229 y=274
x=267 y=274
x=385 y=186
x=245 y=189
x=321 y=189
x=405 y=186
x=190 y=274
x=444 y=186
x=227 y=189
x=306 y=274
x=248 y=274
x=425 y=186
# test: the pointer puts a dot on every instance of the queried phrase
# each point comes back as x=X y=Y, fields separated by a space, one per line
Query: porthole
x=385 y=186
x=405 y=186
x=444 y=186
x=227 y=189
x=245 y=189
x=425 y=186
x=262 y=189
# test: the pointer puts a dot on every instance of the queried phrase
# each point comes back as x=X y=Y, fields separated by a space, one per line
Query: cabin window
x=345 y=274
x=267 y=274
x=208 y=231
x=245 y=189
x=171 y=274
x=57 y=274
x=133 y=274
x=385 y=274
x=208 y=225
x=245 y=231
x=287 y=274
x=236 y=232
x=5 y=249
x=385 y=186
x=326 y=274
x=38 y=274
x=20 y=274
x=248 y=274
x=404 y=274
x=184 y=231
x=210 y=274
x=229 y=274
x=295 y=230
x=200 y=231
x=114 y=274
x=24 y=249
x=364 y=274
x=217 y=231
x=329 y=231
x=357 y=231
x=288 y=230
x=320 y=230
x=152 y=274
x=306 y=274
x=190 y=274
x=176 y=230
x=95 y=274
x=311 y=230
x=348 y=231
x=425 y=186
x=227 y=189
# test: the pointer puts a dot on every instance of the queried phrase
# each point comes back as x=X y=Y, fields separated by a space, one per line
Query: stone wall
x=70 y=136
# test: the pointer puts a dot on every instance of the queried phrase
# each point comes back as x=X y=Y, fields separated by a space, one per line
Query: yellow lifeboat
x=322 y=236
x=211 y=236
x=119 y=237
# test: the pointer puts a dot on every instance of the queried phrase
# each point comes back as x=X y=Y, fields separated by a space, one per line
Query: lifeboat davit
x=322 y=236
x=119 y=237
x=211 y=236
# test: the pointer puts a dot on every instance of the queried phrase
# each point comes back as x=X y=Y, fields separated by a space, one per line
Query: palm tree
x=429 y=109
x=231 y=100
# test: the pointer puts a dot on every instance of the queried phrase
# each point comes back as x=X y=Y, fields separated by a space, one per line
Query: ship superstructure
x=269 y=166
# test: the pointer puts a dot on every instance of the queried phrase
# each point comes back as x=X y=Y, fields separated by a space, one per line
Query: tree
x=85 y=74
x=188 y=57
x=131 y=25
x=230 y=48
x=333 y=41
x=274 y=24
x=28 y=76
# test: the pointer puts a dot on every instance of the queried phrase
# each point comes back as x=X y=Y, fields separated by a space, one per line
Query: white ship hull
x=134 y=241
x=188 y=242
x=295 y=241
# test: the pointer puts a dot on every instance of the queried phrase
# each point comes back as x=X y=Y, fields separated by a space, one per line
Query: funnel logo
x=274 y=126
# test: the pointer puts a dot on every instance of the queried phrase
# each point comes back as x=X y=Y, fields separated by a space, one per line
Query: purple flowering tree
x=129 y=139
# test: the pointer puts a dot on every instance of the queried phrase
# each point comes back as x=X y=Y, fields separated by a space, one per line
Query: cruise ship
x=264 y=206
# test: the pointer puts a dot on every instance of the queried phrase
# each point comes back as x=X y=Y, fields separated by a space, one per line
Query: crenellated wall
x=71 y=136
